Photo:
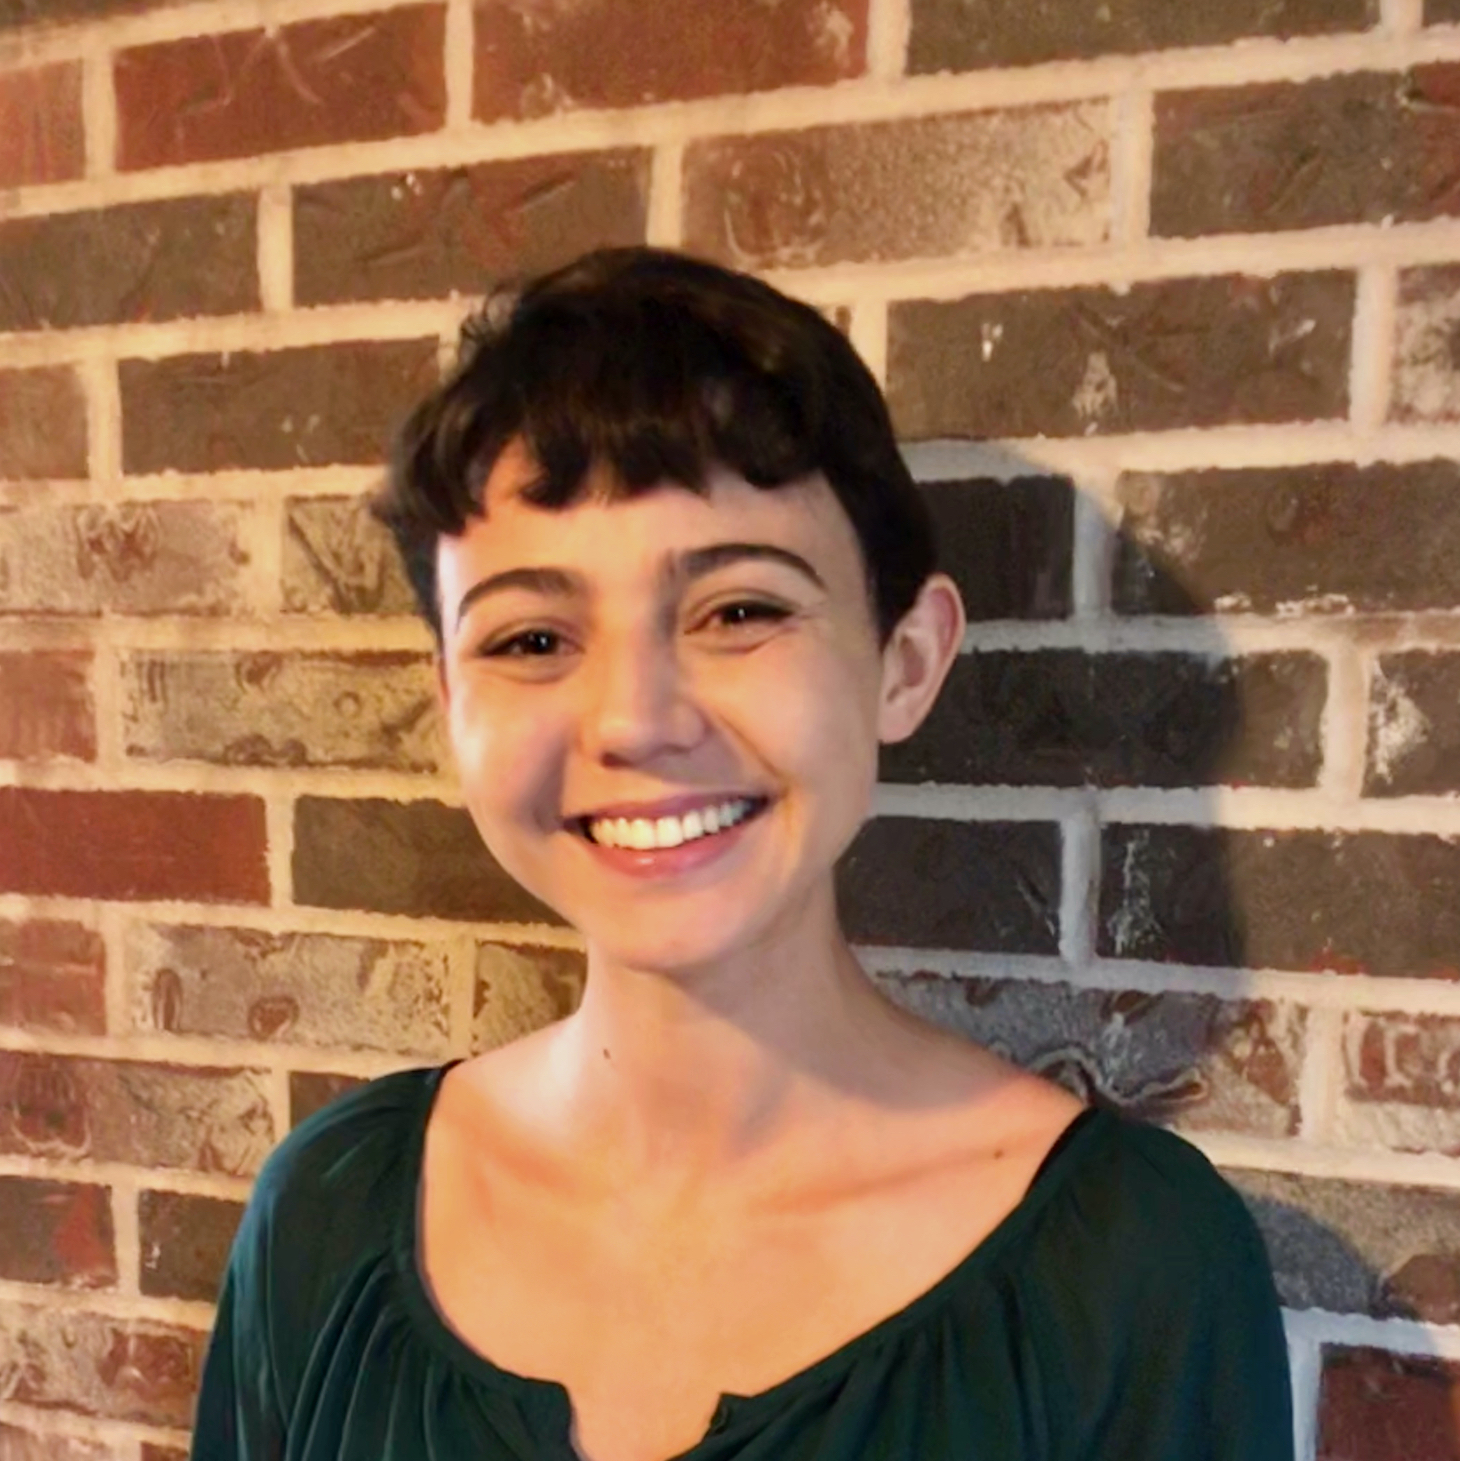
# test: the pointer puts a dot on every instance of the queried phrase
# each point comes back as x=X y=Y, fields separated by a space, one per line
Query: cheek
x=502 y=754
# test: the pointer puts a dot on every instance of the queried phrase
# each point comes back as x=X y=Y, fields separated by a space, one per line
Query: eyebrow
x=564 y=583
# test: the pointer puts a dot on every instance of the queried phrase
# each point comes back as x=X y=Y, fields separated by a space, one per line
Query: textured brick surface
x=293 y=989
x=26 y=1445
x=1358 y=148
x=143 y=261
x=28 y=12
x=56 y=1233
x=1077 y=362
x=1035 y=177
x=311 y=1091
x=337 y=559
x=416 y=857
x=345 y=79
x=1007 y=545
x=126 y=1111
x=954 y=35
x=1414 y=732
x=1441 y=12
x=531 y=61
x=42 y=424
x=1065 y=718
x=424 y=235
x=1358 y=1247
x=287 y=408
x=1290 y=539
x=1427 y=350
x=46 y=706
x=370 y=709
x=520 y=988
x=52 y=977
x=185 y=1241
x=151 y=1451
x=1359 y=902
x=1193 y=1061
x=1401 y=1082
x=41 y=138
x=59 y=558
x=118 y=1369
x=1376 y=1406
x=930 y=884
x=132 y=844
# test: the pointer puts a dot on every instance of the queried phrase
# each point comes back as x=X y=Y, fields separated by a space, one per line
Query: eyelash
x=758 y=611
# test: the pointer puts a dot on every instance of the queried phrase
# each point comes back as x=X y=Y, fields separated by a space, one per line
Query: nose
x=638 y=702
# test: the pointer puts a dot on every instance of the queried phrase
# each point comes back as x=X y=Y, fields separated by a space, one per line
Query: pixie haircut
x=655 y=367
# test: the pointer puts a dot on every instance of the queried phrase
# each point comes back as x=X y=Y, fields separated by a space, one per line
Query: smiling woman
x=738 y=1205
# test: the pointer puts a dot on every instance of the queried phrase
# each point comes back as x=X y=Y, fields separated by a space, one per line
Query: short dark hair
x=656 y=366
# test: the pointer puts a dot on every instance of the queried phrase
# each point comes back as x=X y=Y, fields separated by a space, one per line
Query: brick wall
x=1185 y=830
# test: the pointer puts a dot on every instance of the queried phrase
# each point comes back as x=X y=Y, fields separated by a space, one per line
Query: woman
x=739 y=1204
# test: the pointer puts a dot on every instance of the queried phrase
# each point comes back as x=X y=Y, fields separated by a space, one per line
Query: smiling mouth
x=652 y=834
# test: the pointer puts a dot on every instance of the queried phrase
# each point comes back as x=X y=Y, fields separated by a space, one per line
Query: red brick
x=312 y=407
x=1357 y=148
x=142 y=261
x=1377 y=1406
x=313 y=1090
x=46 y=706
x=1401 y=1082
x=1035 y=177
x=520 y=988
x=178 y=557
x=532 y=61
x=339 y=560
x=1427 y=352
x=185 y=1243
x=25 y=1445
x=347 y=79
x=133 y=844
x=41 y=137
x=1076 y=362
x=290 y=989
x=425 y=235
x=371 y=709
x=153 y=1452
x=42 y=424
x=52 y=977
x=966 y=34
x=117 y=1369
x=147 y=1115
x=56 y=1233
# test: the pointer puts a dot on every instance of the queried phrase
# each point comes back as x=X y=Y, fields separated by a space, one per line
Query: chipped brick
x=1427 y=351
x=520 y=988
x=339 y=560
x=1401 y=1082
x=1414 y=734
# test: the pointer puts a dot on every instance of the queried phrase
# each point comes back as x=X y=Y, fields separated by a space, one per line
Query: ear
x=918 y=656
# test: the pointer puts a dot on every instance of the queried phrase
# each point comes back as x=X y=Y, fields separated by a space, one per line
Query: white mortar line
x=98 y=114
x=107 y=1304
x=1305 y=1365
x=1079 y=886
x=111 y=924
x=1297 y=1158
x=103 y=423
x=889 y=27
x=1131 y=166
x=460 y=47
x=123 y=1439
x=126 y=1225
x=1403 y=1336
x=276 y=1089
x=197 y=1184
x=461 y=996
x=868 y=334
x=1093 y=556
x=276 y=248
x=263 y=533
x=1319 y=1081
x=1401 y=17
x=1371 y=368
x=664 y=224
x=279 y=826
x=107 y=691
x=1345 y=723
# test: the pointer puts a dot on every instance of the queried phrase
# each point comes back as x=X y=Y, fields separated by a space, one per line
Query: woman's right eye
x=530 y=644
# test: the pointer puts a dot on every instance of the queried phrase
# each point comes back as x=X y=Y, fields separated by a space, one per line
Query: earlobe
x=918 y=656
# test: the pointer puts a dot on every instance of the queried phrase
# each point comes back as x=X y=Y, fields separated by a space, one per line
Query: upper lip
x=674 y=806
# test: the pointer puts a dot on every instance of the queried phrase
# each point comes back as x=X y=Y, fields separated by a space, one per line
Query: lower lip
x=668 y=862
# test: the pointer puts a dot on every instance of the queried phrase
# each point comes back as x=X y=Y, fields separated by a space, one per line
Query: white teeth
x=643 y=835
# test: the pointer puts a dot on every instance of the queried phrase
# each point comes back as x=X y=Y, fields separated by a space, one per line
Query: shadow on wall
x=1074 y=901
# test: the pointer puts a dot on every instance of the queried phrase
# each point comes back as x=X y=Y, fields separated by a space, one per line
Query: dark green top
x=1124 y=1311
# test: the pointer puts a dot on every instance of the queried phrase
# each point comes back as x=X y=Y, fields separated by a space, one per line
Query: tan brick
x=292 y=989
x=64 y=559
x=520 y=988
x=1035 y=177
x=56 y=1233
x=41 y=138
x=532 y=61
x=148 y=1115
x=370 y=709
x=42 y=425
x=46 y=706
x=133 y=844
x=339 y=560
x=1427 y=352
x=343 y=79
x=52 y=977
x=117 y=1369
x=1401 y=1087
